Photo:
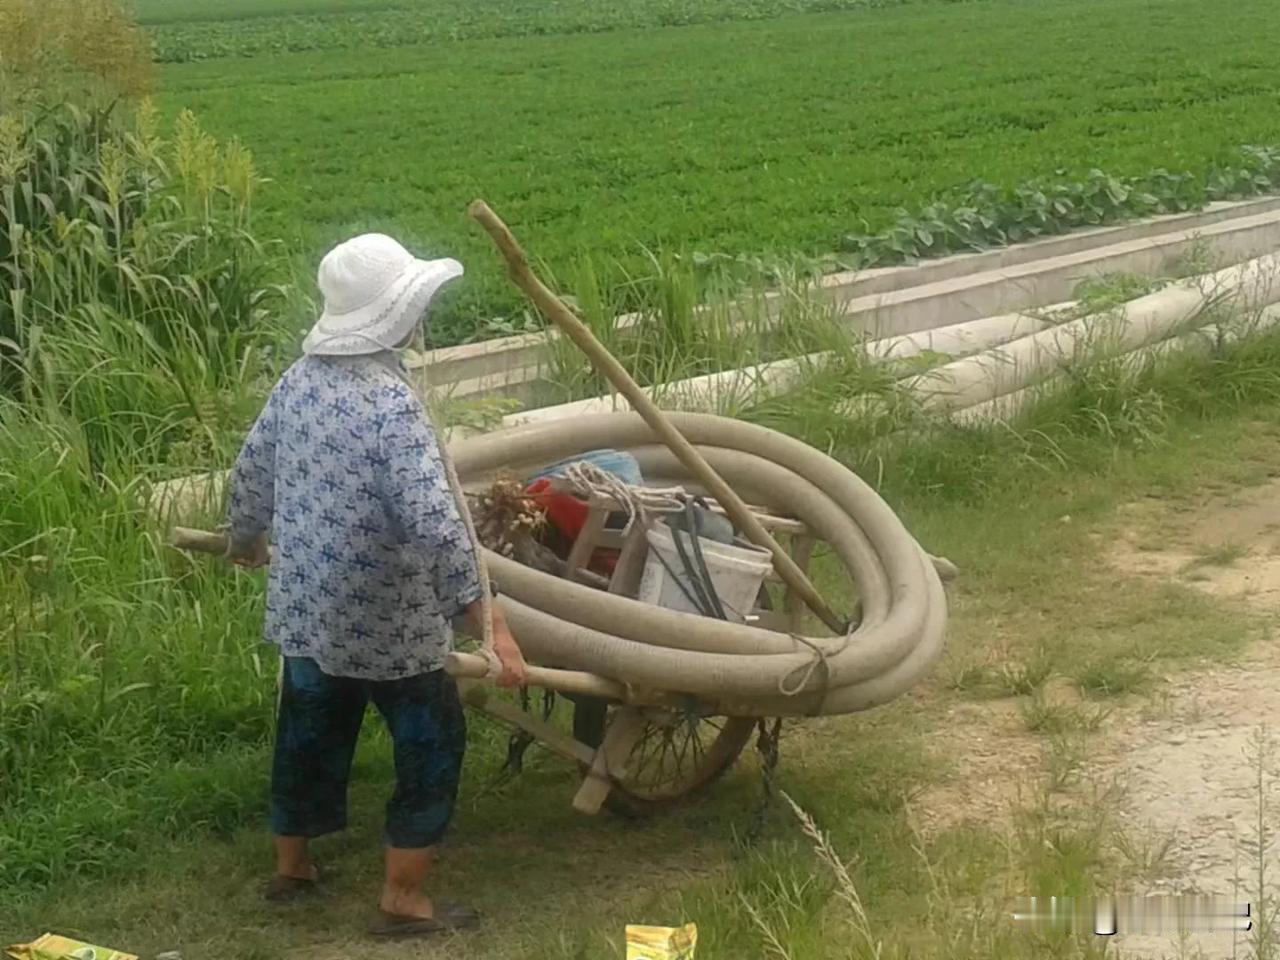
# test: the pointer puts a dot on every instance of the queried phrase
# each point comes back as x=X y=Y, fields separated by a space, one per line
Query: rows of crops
x=149 y=12
x=746 y=138
x=183 y=32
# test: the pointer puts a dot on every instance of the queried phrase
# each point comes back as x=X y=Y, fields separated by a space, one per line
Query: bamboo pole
x=553 y=307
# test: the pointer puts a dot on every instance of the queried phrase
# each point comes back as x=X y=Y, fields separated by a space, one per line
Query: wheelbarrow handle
x=472 y=666
x=200 y=541
x=461 y=665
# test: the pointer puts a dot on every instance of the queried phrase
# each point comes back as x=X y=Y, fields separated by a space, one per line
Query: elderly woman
x=371 y=561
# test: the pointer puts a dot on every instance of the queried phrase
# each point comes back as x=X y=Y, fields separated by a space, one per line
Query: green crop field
x=185 y=11
x=183 y=31
x=763 y=137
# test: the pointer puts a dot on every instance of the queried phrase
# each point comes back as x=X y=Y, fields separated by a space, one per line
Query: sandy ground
x=1185 y=760
x=1193 y=773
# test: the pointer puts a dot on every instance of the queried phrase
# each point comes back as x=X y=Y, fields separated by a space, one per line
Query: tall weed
x=87 y=48
x=139 y=327
x=135 y=289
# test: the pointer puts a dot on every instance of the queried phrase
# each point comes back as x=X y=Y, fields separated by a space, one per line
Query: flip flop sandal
x=449 y=916
x=282 y=889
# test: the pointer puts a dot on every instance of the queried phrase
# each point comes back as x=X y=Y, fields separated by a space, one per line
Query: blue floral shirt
x=370 y=559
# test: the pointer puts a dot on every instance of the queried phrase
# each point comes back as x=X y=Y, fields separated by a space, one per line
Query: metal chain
x=519 y=743
x=767 y=741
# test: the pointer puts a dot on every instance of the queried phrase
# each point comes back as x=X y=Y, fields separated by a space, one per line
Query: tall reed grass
x=136 y=291
x=139 y=326
x=87 y=48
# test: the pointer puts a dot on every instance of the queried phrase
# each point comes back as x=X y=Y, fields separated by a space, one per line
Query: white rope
x=423 y=389
x=589 y=480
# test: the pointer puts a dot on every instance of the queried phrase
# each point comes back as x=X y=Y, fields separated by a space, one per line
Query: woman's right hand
x=514 y=669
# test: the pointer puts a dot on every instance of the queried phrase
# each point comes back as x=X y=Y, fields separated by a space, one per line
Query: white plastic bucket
x=737 y=573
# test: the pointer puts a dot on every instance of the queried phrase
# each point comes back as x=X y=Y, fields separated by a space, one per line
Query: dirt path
x=1186 y=757
x=1192 y=770
x=1193 y=793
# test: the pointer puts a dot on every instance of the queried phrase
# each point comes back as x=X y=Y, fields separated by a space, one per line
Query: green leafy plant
x=139 y=326
x=982 y=215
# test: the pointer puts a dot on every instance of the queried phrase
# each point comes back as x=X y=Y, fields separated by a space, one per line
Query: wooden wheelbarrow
x=638 y=750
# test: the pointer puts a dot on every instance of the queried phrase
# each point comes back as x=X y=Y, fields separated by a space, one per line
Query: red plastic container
x=568 y=514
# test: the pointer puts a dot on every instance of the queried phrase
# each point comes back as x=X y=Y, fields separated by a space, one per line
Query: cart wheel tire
x=719 y=742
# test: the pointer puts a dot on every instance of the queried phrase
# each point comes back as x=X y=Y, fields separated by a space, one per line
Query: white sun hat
x=375 y=291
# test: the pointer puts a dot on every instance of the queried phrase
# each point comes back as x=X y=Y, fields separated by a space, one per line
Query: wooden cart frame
x=638 y=749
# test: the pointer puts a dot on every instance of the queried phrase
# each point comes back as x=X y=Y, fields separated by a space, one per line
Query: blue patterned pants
x=317 y=728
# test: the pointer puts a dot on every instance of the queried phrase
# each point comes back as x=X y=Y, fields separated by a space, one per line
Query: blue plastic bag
x=622 y=465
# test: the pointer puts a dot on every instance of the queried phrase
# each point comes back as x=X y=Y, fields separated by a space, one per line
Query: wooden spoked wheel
x=679 y=753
